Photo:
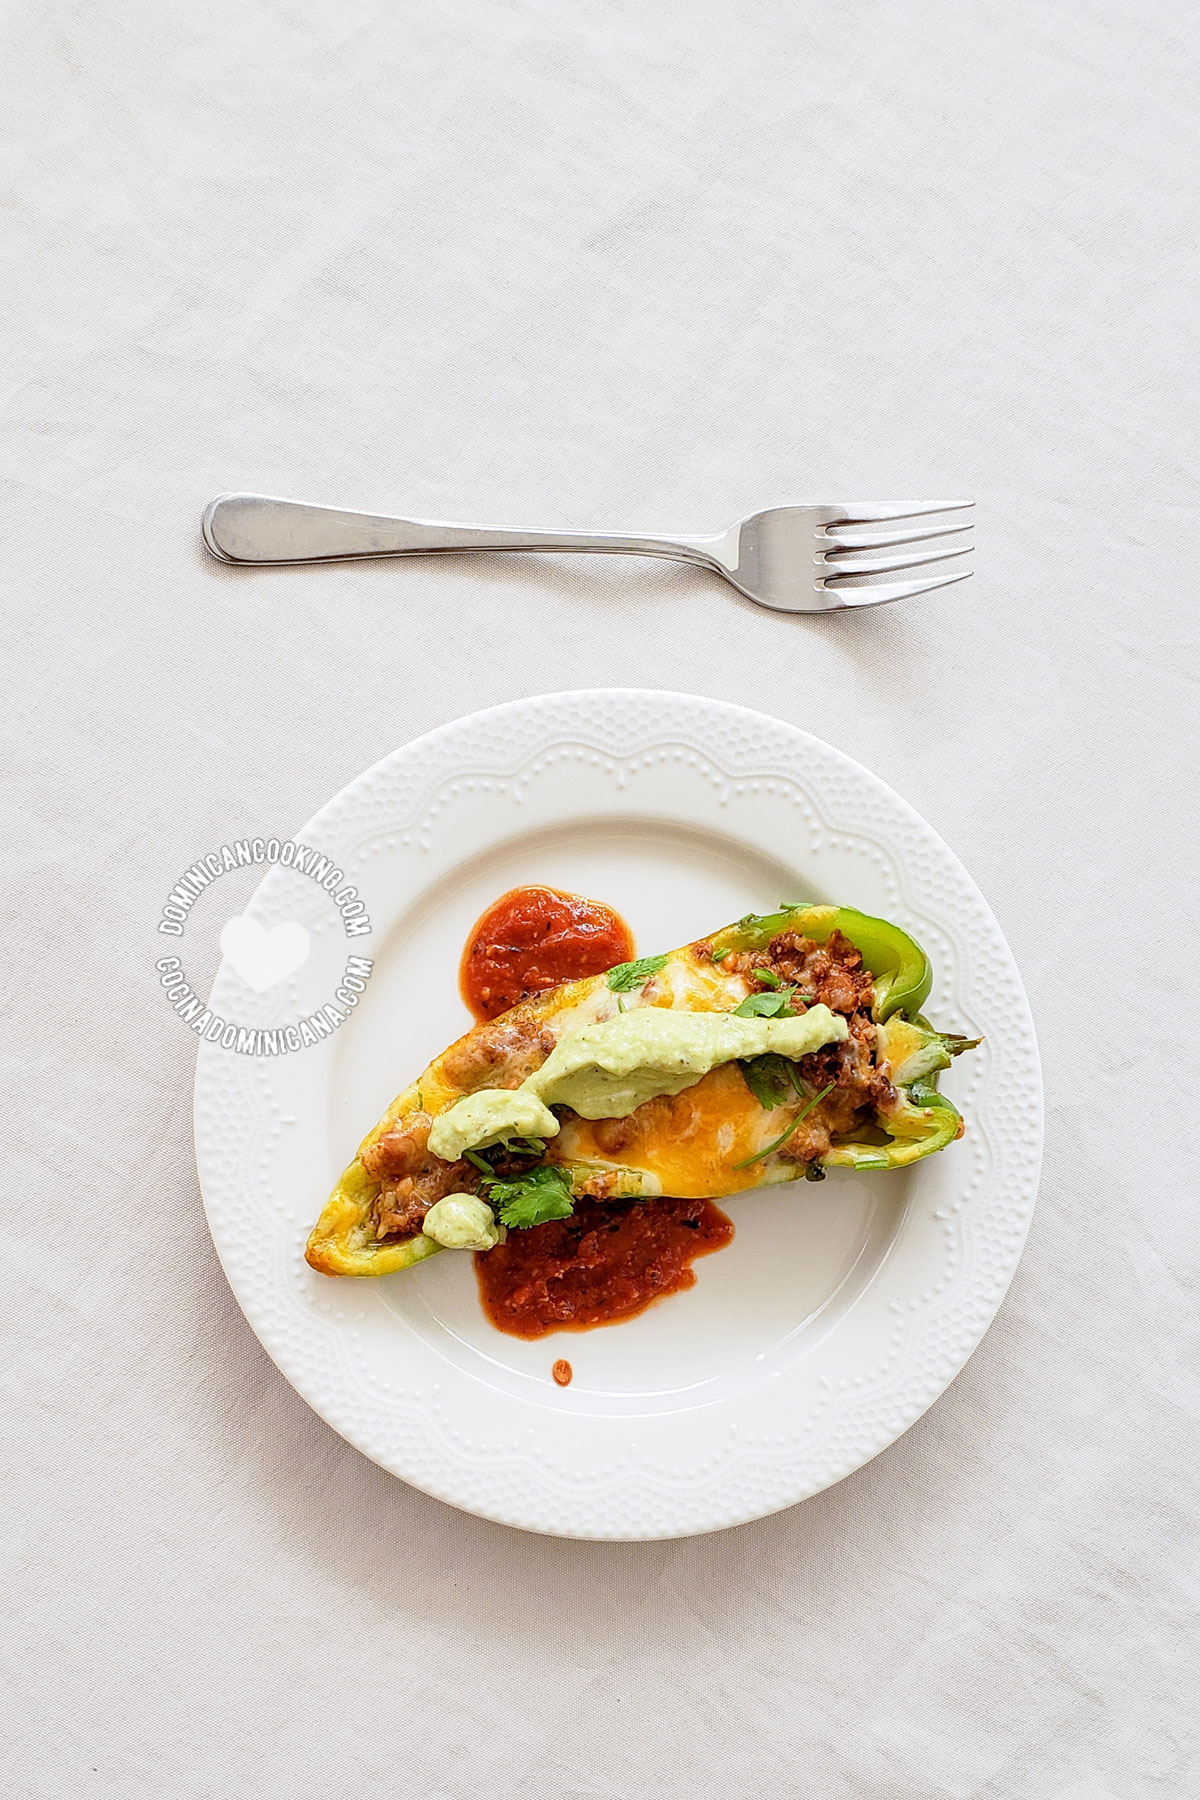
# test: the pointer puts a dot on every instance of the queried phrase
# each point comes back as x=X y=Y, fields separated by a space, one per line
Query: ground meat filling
x=832 y=975
x=410 y=1177
x=829 y=974
x=501 y=1055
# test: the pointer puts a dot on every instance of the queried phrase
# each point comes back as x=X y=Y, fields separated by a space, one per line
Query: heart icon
x=263 y=957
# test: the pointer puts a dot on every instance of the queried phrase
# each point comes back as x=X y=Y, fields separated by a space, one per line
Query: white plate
x=839 y=1312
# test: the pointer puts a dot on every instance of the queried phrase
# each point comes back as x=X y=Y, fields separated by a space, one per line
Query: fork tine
x=886 y=565
x=865 y=513
x=885 y=540
x=884 y=591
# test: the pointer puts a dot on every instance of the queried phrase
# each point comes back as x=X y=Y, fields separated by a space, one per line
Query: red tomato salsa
x=608 y=1261
x=533 y=938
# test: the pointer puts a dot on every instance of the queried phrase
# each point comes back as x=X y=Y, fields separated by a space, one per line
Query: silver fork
x=793 y=558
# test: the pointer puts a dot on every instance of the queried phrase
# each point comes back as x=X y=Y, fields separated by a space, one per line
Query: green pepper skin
x=901 y=968
x=924 y=1122
x=914 y=1051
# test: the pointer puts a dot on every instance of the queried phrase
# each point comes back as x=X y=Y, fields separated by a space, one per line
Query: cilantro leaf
x=532 y=1198
x=627 y=976
x=516 y=1146
x=768 y=977
x=764 y=1006
x=770 y=1078
x=783 y=1137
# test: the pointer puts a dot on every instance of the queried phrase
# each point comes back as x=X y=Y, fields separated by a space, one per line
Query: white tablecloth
x=598 y=264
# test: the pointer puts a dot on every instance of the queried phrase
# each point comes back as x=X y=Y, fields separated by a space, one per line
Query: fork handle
x=255 y=528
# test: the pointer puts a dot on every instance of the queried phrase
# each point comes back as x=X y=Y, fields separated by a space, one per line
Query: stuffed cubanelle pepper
x=785 y=1045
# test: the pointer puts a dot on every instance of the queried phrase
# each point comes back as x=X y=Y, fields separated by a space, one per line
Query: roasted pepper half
x=868 y=1100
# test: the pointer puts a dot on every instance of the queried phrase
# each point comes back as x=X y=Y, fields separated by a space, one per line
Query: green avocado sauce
x=607 y=1070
